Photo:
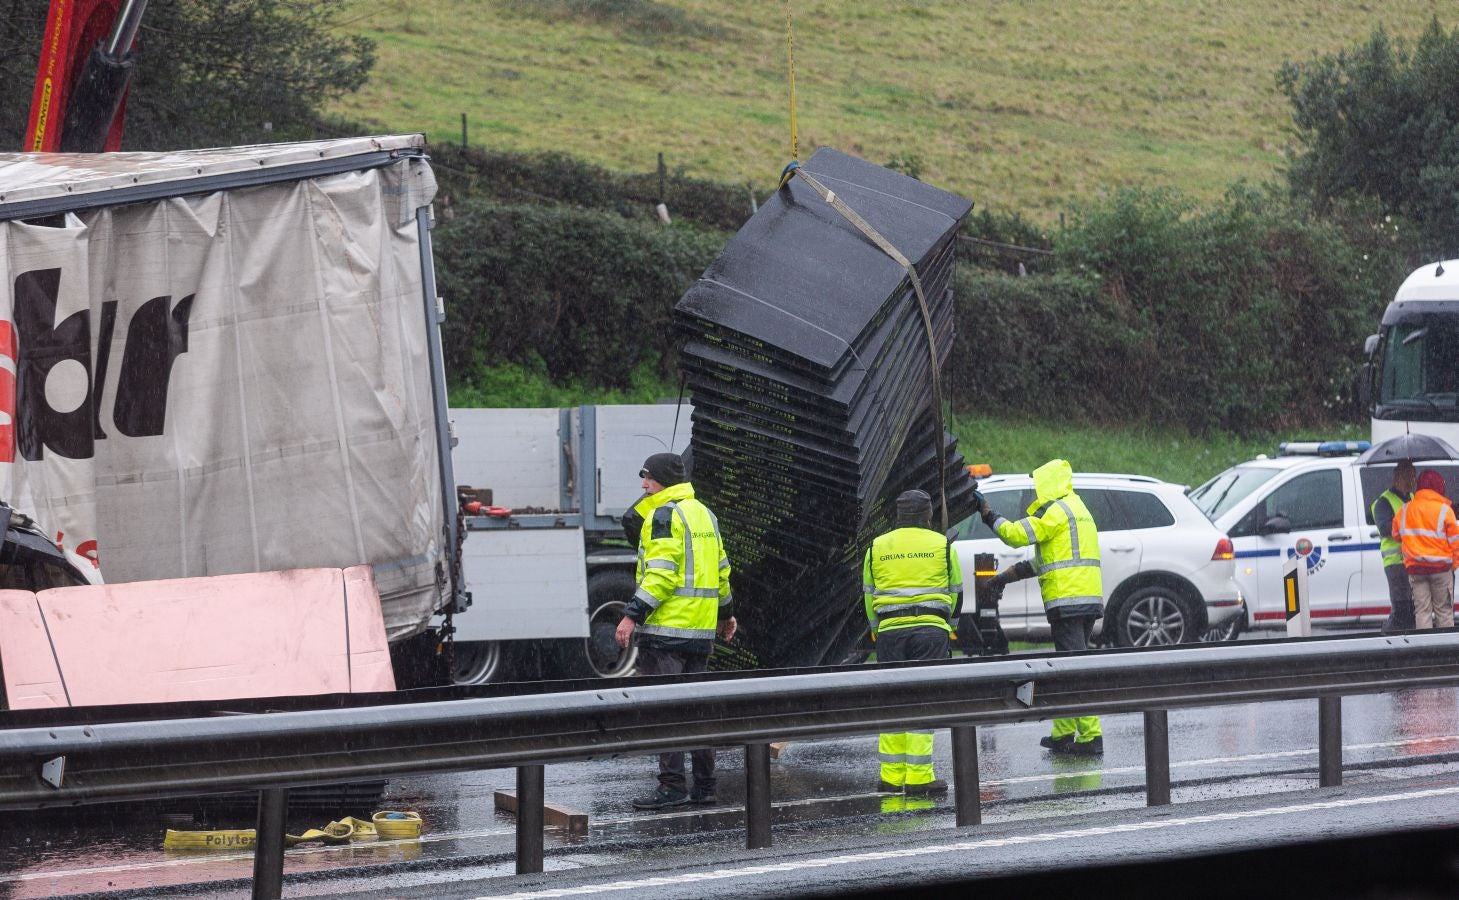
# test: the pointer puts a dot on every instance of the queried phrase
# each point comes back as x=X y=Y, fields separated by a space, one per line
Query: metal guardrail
x=47 y=767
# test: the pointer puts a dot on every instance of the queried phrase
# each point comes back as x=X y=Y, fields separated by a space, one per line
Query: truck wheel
x=1155 y=616
x=477 y=662
x=601 y=657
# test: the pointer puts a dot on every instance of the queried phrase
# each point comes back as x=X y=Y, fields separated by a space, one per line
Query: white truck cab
x=1410 y=382
x=1313 y=501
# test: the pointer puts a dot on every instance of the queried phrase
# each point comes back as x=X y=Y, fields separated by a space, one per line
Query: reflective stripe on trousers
x=1084 y=728
x=906 y=757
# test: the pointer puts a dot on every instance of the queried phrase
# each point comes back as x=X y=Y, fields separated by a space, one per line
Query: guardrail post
x=530 y=798
x=1157 y=757
x=757 y=796
x=268 y=844
x=965 y=775
x=1329 y=741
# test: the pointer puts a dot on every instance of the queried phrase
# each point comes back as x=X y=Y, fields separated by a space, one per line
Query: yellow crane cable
x=790 y=62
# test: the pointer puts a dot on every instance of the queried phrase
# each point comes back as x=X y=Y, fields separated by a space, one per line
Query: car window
x=1377 y=479
x=1225 y=491
x=1010 y=504
x=1103 y=508
x=48 y=574
x=1142 y=510
x=31 y=574
x=1313 y=500
x=13 y=577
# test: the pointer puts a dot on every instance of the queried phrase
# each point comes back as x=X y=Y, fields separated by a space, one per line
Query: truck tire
x=599 y=656
x=478 y=662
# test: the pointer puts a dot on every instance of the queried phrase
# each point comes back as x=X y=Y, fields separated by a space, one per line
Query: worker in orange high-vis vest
x=1428 y=533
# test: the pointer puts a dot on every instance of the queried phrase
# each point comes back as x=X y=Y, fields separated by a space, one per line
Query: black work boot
x=1063 y=744
x=1093 y=747
x=703 y=797
x=886 y=787
x=935 y=786
x=661 y=799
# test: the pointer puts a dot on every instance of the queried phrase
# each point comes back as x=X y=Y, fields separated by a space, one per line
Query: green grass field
x=1025 y=107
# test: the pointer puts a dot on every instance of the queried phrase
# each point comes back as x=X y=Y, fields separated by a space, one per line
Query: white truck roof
x=37 y=184
x=1435 y=281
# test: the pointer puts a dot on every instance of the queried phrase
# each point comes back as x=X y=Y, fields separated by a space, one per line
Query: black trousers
x=654 y=661
x=1071 y=632
x=908 y=644
x=1400 y=600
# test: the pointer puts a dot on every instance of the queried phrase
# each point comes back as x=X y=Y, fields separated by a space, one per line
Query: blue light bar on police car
x=1321 y=448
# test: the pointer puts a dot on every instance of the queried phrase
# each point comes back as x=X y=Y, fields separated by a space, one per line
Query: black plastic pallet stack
x=808 y=361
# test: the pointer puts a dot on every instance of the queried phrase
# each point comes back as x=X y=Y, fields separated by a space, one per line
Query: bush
x=1378 y=121
x=529 y=385
x=1009 y=229
x=579 y=296
x=1246 y=316
x=559 y=179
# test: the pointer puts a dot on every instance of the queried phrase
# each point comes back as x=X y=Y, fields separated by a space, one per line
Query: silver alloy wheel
x=1226 y=632
x=1155 y=619
x=476 y=662
x=604 y=656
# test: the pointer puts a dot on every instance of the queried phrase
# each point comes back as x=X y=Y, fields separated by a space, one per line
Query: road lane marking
x=963 y=846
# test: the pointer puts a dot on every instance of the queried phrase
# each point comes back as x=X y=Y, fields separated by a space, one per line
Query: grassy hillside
x=1019 y=106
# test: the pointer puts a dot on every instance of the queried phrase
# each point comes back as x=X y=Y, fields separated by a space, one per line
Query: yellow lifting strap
x=385 y=825
x=795 y=170
x=790 y=64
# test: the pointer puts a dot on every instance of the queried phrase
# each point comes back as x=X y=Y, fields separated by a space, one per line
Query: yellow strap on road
x=398 y=826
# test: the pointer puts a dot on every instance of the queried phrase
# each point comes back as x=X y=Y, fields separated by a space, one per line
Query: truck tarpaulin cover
x=233 y=381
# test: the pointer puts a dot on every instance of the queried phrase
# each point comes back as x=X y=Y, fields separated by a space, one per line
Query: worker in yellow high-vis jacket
x=1066 y=561
x=911 y=584
x=683 y=600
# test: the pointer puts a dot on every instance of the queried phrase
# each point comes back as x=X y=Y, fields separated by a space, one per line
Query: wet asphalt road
x=823 y=793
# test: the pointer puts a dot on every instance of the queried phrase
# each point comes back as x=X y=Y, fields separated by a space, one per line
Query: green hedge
x=559 y=179
x=1246 y=315
x=577 y=295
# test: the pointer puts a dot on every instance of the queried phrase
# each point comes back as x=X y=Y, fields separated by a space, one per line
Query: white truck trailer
x=548 y=567
x=222 y=361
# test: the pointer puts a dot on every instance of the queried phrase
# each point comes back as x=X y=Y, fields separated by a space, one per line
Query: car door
x=1315 y=503
x=975 y=537
x=1120 y=548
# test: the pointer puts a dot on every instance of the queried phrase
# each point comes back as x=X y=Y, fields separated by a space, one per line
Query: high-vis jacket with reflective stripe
x=683 y=572
x=1066 y=543
x=1385 y=510
x=1428 y=533
x=910 y=577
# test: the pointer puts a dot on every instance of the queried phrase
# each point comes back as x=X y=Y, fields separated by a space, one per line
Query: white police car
x=1167 y=571
x=1314 y=501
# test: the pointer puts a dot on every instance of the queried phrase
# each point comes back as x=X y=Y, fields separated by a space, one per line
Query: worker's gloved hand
x=995 y=589
x=986 y=511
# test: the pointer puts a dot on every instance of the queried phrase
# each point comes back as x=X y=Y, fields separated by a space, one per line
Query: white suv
x=1167 y=571
x=1313 y=501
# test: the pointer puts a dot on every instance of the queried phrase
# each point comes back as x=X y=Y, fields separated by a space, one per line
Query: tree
x=1379 y=122
x=210 y=72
